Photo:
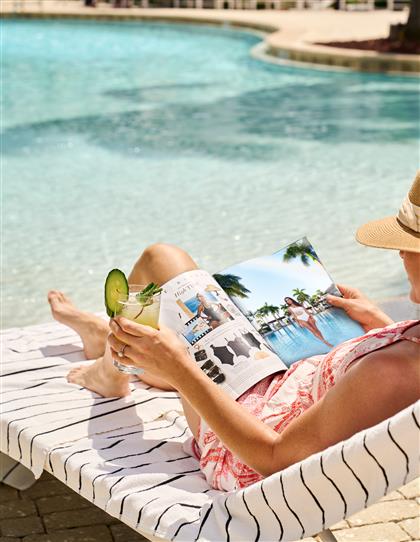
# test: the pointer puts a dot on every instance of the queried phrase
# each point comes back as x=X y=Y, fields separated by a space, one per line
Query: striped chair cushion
x=126 y=455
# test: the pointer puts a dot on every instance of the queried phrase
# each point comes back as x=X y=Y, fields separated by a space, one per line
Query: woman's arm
x=162 y=354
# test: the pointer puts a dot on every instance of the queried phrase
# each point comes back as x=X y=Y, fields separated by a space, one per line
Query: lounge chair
x=127 y=456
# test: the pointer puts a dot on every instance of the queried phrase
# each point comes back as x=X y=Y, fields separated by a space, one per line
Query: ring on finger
x=120 y=353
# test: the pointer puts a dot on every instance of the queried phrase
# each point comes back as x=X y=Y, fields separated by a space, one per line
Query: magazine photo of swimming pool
x=284 y=297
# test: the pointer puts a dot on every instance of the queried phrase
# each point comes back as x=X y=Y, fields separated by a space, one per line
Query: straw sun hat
x=401 y=232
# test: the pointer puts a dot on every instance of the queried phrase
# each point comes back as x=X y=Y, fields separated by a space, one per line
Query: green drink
x=147 y=313
x=138 y=303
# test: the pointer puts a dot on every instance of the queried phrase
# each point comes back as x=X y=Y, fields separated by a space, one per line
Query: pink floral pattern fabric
x=279 y=399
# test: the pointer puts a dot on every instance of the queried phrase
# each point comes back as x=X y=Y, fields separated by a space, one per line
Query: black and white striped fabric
x=127 y=455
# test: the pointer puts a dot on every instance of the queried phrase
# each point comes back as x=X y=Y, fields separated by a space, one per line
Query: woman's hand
x=159 y=352
x=359 y=308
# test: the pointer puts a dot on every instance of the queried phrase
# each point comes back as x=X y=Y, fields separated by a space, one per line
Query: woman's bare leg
x=159 y=263
x=311 y=326
x=92 y=329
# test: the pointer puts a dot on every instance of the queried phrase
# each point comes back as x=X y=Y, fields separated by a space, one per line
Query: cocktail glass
x=147 y=314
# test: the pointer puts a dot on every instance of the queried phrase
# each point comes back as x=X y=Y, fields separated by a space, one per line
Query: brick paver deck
x=51 y=512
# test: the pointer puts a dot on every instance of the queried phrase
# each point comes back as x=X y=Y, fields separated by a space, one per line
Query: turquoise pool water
x=117 y=135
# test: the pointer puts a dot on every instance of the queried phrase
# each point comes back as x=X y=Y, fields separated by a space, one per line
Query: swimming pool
x=293 y=342
x=117 y=135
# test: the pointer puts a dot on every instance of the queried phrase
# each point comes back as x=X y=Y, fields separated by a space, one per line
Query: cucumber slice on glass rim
x=116 y=285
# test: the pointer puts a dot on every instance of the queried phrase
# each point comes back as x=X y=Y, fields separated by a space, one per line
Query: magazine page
x=283 y=296
x=218 y=336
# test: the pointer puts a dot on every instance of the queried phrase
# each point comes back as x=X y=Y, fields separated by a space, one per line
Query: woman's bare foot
x=101 y=378
x=92 y=329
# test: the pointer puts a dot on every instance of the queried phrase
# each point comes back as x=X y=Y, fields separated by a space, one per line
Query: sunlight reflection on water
x=119 y=135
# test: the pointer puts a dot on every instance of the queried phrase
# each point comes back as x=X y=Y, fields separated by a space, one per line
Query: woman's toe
x=73 y=372
x=51 y=295
x=66 y=298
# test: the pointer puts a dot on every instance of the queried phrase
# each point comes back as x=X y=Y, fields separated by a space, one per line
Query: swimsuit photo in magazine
x=284 y=297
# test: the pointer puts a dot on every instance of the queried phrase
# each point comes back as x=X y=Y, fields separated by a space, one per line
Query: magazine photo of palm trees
x=284 y=297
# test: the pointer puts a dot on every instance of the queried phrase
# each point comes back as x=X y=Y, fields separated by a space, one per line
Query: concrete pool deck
x=290 y=36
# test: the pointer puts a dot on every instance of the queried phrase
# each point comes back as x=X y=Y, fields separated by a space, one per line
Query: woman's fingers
x=349 y=292
x=336 y=301
x=133 y=328
x=124 y=337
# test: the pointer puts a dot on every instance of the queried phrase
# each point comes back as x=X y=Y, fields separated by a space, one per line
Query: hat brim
x=389 y=233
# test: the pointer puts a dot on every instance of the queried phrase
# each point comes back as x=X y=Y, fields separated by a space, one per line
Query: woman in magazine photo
x=285 y=417
x=304 y=319
x=214 y=313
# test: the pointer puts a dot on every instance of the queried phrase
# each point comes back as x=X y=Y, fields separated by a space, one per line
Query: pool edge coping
x=274 y=47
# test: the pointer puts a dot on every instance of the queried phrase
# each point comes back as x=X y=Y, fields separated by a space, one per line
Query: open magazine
x=258 y=317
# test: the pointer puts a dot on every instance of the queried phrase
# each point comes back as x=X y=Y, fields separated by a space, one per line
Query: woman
x=213 y=313
x=304 y=319
x=288 y=416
